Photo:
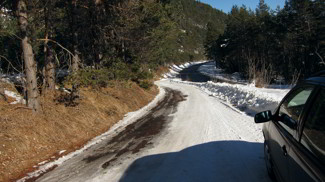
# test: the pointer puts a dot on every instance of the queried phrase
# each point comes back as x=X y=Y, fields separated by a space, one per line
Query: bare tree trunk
x=49 y=70
x=30 y=64
x=75 y=60
x=95 y=13
x=49 y=57
x=76 y=53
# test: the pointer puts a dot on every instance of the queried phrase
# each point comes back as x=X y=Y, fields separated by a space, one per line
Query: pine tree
x=29 y=59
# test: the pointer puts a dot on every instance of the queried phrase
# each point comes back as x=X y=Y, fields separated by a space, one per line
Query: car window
x=293 y=106
x=313 y=136
x=300 y=98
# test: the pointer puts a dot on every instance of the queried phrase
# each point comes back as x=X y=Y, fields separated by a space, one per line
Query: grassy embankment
x=27 y=139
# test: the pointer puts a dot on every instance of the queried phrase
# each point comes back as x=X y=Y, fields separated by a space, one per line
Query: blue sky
x=225 y=5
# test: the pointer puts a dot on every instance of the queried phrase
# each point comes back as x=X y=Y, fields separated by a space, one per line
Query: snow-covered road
x=204 y=140
x=192 y=131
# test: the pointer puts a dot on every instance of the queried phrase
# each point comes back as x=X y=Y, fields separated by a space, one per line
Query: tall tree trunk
x=30 y=64
x=76 y=53
x=49 y=84
x=94 y=12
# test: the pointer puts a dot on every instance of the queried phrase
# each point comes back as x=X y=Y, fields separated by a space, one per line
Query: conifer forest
x=100 y=40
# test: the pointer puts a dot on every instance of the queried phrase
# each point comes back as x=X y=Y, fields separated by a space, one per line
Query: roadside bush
x=145 y=84
x=90 y=77
x=120 y=71
x=69 y=99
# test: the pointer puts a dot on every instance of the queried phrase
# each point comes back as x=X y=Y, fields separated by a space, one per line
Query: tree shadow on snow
x=214 y=161
x=192 y=74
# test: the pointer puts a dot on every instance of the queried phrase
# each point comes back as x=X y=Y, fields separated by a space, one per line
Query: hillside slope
x=196 y=17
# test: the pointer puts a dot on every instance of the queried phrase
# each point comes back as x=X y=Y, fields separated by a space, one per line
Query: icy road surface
x=206 y=141
x=202 y=139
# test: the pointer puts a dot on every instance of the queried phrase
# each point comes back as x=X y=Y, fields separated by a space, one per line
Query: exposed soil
x=27 y=139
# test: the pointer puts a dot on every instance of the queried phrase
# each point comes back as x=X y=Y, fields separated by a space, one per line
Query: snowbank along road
x=188 y=136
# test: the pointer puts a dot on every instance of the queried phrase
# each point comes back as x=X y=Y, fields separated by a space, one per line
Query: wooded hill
x=267 y=45
x=197 y=18
x=99 y=40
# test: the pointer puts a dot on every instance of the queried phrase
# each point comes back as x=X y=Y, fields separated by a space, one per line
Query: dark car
x=294 y=133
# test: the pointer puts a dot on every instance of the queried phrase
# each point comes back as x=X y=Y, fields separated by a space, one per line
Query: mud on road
x=123 y=145
x=139 y=134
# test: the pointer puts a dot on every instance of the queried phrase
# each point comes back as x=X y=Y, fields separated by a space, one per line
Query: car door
x=308 y=156
x=283 y=130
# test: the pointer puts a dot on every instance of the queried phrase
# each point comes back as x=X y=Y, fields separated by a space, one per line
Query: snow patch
x=61 y=152
x=210 y=69
x=19 y=99
x=246 y=98
x=42 y=163
x=175 y=69
x=243 y=96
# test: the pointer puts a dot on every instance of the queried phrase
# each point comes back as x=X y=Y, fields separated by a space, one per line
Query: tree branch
x=9 y=63
x=12 y=34
x=58 y=45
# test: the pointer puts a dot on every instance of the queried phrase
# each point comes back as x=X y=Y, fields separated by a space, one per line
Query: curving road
x=187 y=136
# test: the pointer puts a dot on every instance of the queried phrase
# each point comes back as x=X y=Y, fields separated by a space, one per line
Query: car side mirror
x=263 y=117
x=287 y=120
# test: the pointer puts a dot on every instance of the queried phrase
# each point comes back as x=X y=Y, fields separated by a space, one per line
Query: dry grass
x=27 y=139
